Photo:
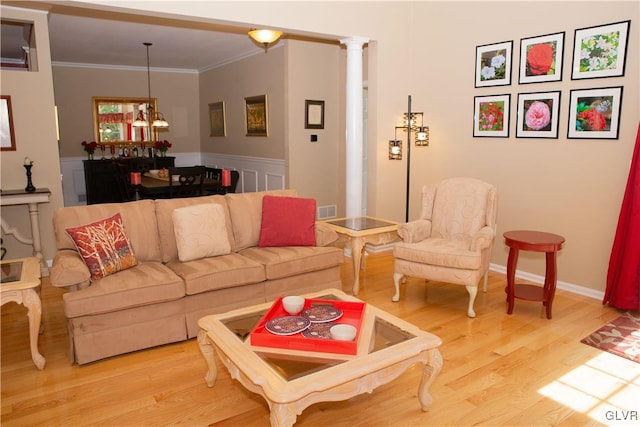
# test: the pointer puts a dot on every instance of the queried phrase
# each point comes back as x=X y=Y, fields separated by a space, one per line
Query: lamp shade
x=395 y=149
x=265 y=36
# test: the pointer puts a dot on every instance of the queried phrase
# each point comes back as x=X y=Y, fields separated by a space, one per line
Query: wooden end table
x=536 y=241
x=291 y=380
x=360 y=231
x=20 y=282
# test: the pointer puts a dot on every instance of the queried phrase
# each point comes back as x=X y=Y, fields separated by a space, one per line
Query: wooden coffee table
x=360 y=231
x=20 y=282
x=291 y=380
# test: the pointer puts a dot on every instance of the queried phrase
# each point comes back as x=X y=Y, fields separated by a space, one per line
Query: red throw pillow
x=288 y=221
x=104 y=246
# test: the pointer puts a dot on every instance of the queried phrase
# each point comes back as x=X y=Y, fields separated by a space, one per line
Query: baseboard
x=565 y=286
x=534 y=278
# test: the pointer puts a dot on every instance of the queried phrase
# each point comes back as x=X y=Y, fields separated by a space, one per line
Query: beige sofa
x=160 y=300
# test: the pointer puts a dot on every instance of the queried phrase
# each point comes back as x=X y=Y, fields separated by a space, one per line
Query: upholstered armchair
x=452 y=240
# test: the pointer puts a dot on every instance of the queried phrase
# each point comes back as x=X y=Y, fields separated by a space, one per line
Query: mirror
x=113 y=120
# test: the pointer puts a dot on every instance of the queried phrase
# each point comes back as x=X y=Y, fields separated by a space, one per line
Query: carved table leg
x=430 y=371
x=206 y=348
x=357 y=244
x=31 y=300
x=282 y=415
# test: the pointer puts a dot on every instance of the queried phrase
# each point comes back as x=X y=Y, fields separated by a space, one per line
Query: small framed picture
x=217 y=120
x=313 y=114
x=538 y=115
x=255 y=115
x=7 y=138
x=541 y=58
x=491 y=116
x=600 y=51
x=493 y=64
x=595 y=113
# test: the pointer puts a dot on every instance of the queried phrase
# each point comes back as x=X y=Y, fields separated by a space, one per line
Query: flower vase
x=163 y=153
x=90 y=155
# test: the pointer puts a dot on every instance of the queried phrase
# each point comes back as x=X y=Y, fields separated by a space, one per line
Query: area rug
x=620 y=337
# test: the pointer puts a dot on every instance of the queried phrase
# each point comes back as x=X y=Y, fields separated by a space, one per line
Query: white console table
x=30 y=199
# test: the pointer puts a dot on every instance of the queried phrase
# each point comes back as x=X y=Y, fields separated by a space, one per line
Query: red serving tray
x=352 y=314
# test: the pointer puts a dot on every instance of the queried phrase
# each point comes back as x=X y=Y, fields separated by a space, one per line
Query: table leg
x=430 y=371
x=31 y=300
x=206 y=348
x=550 y=282
x=282 y=415
x=512 y=261
x=357 y=245
x=35 y=237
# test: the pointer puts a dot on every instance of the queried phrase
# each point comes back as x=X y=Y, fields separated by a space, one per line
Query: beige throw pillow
x=200 y=231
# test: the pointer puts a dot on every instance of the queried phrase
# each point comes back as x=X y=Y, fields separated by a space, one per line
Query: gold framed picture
x=255 y=115
x=217 y=120
x=7 y=138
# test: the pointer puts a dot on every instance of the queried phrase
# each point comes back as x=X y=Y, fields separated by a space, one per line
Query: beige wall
x=313 y=168
x=572 y=187
x=176 y=94
x=35 y=136
x=566 y=186
x=261 y=74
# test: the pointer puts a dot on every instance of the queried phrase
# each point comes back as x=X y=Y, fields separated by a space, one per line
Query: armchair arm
x=415 y=231
x=69 y=271
x=325 y=235
x=483 y=239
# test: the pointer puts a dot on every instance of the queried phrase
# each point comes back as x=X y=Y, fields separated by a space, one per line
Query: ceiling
x=81 y=36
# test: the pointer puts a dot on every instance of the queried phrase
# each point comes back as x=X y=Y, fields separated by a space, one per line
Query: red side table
x=536 y=241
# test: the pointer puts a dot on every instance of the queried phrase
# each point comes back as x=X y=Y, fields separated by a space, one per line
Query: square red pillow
x=104 y=246
x=288 y=221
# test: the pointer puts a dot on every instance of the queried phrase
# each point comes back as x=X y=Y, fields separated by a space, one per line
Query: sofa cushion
x=287 y=221
x=200 y=231
x=104 y=246
x=146 y=283
x=164 y=214
x=220 y=272
x=245 y=210
x=450 y=253
x=138 y=217
x=292 y=260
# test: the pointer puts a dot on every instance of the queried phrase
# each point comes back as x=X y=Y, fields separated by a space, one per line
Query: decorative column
x=354 y=131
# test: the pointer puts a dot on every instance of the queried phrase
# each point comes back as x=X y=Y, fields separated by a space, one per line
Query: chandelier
x=153 y=118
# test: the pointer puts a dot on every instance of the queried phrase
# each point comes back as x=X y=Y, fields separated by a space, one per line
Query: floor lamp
x=408 y=128
x=422 y=140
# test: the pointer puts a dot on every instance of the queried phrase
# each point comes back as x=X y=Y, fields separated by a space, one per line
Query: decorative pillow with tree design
x=104 y=246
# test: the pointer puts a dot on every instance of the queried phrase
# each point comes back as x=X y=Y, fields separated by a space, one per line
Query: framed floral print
x=538 y=115
x=493 y=64
x=217 y=120
x=595 y=113
x=541 y=58
x=255 y=115
x=600 y=51
x=491 y=116
x=7 y=138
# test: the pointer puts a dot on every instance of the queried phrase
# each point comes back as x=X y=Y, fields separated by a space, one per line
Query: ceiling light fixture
x=153 y=118
x=266 y=37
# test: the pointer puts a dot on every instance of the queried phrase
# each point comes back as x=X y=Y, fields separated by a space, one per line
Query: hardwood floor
x=498 y=369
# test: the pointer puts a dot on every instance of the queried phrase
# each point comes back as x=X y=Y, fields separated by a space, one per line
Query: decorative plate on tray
x=319 y=330
x=287 y=325
x=322 y=313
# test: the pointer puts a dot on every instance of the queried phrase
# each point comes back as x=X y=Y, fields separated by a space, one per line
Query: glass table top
x=11 y=271
x=383 y=335
x=361 y=223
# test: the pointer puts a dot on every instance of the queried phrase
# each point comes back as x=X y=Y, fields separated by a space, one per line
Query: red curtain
x=623 y=278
